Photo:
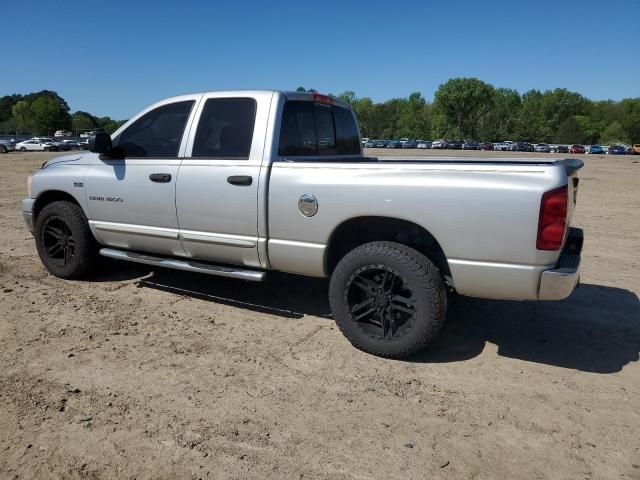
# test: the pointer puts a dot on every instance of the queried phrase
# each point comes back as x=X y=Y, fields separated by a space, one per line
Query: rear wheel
x=23 y=149
x=388 y=299
x=64 y=241
x=3 y=149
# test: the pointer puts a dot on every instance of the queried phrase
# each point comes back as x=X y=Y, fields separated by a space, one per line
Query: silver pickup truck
x=239 y=183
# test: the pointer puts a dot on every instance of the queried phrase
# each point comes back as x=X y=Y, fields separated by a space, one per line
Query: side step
x=187 y=265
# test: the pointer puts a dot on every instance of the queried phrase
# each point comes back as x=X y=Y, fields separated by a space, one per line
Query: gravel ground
x=142 y=373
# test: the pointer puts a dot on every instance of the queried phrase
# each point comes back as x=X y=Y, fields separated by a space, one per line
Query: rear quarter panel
x=486 y=214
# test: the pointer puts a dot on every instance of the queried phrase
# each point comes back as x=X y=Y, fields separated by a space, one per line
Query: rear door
x=132 y=199
x=218 y=181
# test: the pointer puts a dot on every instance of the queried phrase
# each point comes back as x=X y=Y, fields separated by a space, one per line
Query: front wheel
x=388 y=299
x=64 y=241
x=3 y=149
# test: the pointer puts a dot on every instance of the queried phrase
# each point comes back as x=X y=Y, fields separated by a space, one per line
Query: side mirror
x=100 y=143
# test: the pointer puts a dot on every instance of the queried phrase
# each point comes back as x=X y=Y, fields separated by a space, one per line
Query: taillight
x=553 y=219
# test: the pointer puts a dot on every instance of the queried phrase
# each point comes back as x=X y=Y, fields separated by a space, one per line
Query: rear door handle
x=241 y=180
x=160 y=177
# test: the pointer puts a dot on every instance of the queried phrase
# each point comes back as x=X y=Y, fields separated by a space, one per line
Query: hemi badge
x=78 y=184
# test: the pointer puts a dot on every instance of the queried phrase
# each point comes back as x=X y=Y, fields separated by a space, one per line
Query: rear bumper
x=559 y=282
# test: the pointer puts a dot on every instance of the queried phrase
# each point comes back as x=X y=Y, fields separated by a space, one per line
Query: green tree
x=49 y=115
x=413 y=117
x=22 y=116
x=463 y=102
x=501 y=121
x=83 y=121
x=629 y=118
x=614 y=133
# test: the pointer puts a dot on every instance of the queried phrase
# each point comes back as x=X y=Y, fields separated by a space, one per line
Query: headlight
x=29 y=183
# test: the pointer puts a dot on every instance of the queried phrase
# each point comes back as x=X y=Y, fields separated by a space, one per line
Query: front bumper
x=558 y=283
x=27 y=209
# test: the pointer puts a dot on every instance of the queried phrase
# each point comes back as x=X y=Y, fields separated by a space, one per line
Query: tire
x=401 y=290
x=22 y=149
x=3 y=149
x=64 y=241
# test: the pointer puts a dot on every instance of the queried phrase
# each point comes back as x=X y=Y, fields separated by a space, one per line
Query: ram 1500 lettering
x=238 y=183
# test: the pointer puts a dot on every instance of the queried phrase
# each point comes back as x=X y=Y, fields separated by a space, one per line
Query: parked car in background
x=576 y=149
x=74 y=143
x=63 y=146
x=559 y=149
x=595 y=150
x=616 y=150
x=470 y=145
x=63 y=133
x=33 y=145
x=438 y=144
x=7 y=146
x=521 y=147
x=486 y=146
x=454 y=145
x=424 y=144
x=635 y=149
x=504 y=146
x=394 y=144
x=409 y=144
x=370 y=144
x=380 y=143
x=542 y=147
x=364 y=140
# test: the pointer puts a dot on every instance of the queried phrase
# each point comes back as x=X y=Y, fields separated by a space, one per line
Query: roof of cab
x=289 y=95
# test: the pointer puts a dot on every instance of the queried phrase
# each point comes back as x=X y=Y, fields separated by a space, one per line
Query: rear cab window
x=312 y=129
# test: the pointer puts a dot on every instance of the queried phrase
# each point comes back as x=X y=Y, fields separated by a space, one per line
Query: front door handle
x=241 y=180
x=160 y=177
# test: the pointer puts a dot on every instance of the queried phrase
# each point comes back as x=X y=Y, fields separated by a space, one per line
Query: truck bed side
x=484 y=215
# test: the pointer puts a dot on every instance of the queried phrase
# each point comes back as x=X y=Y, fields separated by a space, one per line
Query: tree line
x=44 y=112
x=462 y=108
x=468 y=108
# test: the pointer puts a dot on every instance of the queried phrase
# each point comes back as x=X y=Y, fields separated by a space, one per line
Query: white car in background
x=35 y=145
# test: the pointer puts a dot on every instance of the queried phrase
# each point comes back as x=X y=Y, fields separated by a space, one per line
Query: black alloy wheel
x=58 y=241
x=380 y=302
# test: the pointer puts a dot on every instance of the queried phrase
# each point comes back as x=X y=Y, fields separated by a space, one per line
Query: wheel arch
x=50 y=196
x=359 y=230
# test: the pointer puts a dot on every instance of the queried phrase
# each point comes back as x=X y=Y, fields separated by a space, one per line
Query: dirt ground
x=138 y=373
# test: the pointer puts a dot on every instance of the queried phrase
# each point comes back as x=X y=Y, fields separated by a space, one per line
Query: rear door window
x=312 y=129
x=225 y=129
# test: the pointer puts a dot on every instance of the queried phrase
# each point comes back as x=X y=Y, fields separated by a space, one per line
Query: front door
x=132 y=199
x=217 y=190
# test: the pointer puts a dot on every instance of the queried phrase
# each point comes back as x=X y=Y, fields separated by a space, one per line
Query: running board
x=187 y=265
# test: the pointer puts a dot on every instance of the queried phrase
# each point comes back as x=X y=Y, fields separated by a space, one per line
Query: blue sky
x=114 y=57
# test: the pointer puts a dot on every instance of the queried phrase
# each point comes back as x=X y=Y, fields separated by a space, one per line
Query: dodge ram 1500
x=239 y=183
